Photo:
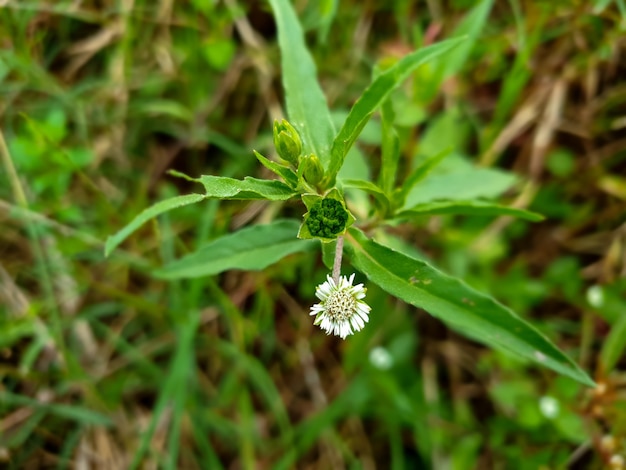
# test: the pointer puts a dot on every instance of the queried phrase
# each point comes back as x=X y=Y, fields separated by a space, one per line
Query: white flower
x=341 y=309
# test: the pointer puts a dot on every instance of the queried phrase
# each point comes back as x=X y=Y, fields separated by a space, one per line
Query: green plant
x=315 y=155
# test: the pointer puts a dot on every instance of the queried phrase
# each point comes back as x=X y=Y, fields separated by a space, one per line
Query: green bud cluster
x=310 y=172
x=327 y=218
x=287 y=142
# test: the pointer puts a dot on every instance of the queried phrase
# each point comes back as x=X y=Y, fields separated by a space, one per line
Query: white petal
x=317 y=308
x=357 y=322
x=363 y=315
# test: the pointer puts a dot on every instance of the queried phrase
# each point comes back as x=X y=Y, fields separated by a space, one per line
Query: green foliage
x=306 y=103
x=466 y=310
x=252 y=248
x=194 y=342
x=327 y=217
x=149 y=213
x=373 y=97
x=475 y=207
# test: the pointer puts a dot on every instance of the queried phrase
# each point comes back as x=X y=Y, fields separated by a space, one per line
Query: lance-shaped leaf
x=614 y=345
x=306 y=103
x=374 y=96
x=475 y=207
x=149 y=213
x=283 y=171
x=369 y=188
x=252 y=248
x=464 y=309
x=215 y=187
x=248 y=188
x=421 y=172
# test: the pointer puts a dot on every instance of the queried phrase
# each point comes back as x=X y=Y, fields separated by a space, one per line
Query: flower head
x=341 y=309
x=327 y=218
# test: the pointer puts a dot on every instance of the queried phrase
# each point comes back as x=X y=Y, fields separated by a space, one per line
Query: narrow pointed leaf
x=390 y=149
x=464 y=309
x=369 y=188
x=614 y=346
x=421 y=172
x=286 y=173
x=149 y=213
x=248 y=188
x=375 y=95
x=471 y=28
x=306 y=104
x=253 y=248
x=467 y=183
x=468 y=208
x=71 y=412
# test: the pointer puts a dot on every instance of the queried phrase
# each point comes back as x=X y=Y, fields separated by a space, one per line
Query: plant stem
x=338 y=256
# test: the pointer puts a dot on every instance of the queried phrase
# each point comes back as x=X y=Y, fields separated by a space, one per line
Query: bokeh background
x=103 y=366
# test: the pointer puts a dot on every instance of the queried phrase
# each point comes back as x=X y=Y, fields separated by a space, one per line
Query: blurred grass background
x=104 y=367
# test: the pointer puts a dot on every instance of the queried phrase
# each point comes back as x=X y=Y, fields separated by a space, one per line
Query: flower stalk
x=338 y=257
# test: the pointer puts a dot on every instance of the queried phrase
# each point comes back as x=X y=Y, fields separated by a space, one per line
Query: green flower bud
x=313 y=171
x=327 y=218
x=287 y=141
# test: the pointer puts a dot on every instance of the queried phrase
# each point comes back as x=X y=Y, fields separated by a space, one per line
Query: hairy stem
x=338 y=256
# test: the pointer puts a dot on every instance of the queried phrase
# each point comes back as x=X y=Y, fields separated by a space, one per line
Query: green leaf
x=468 y=208
x=164 y=109
x=149 y=213
x=328 y=254
x=216 y=187
x=71 y=412
x=461 y=182
x=306 y=104
x=470 y=28
x=252 y=248
x=421 y=172
x=464 y=309
x=285 y=172
x=249 y=188
x=375 y=95
x=614 y=345
x=390 y=149
x=369 y=188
